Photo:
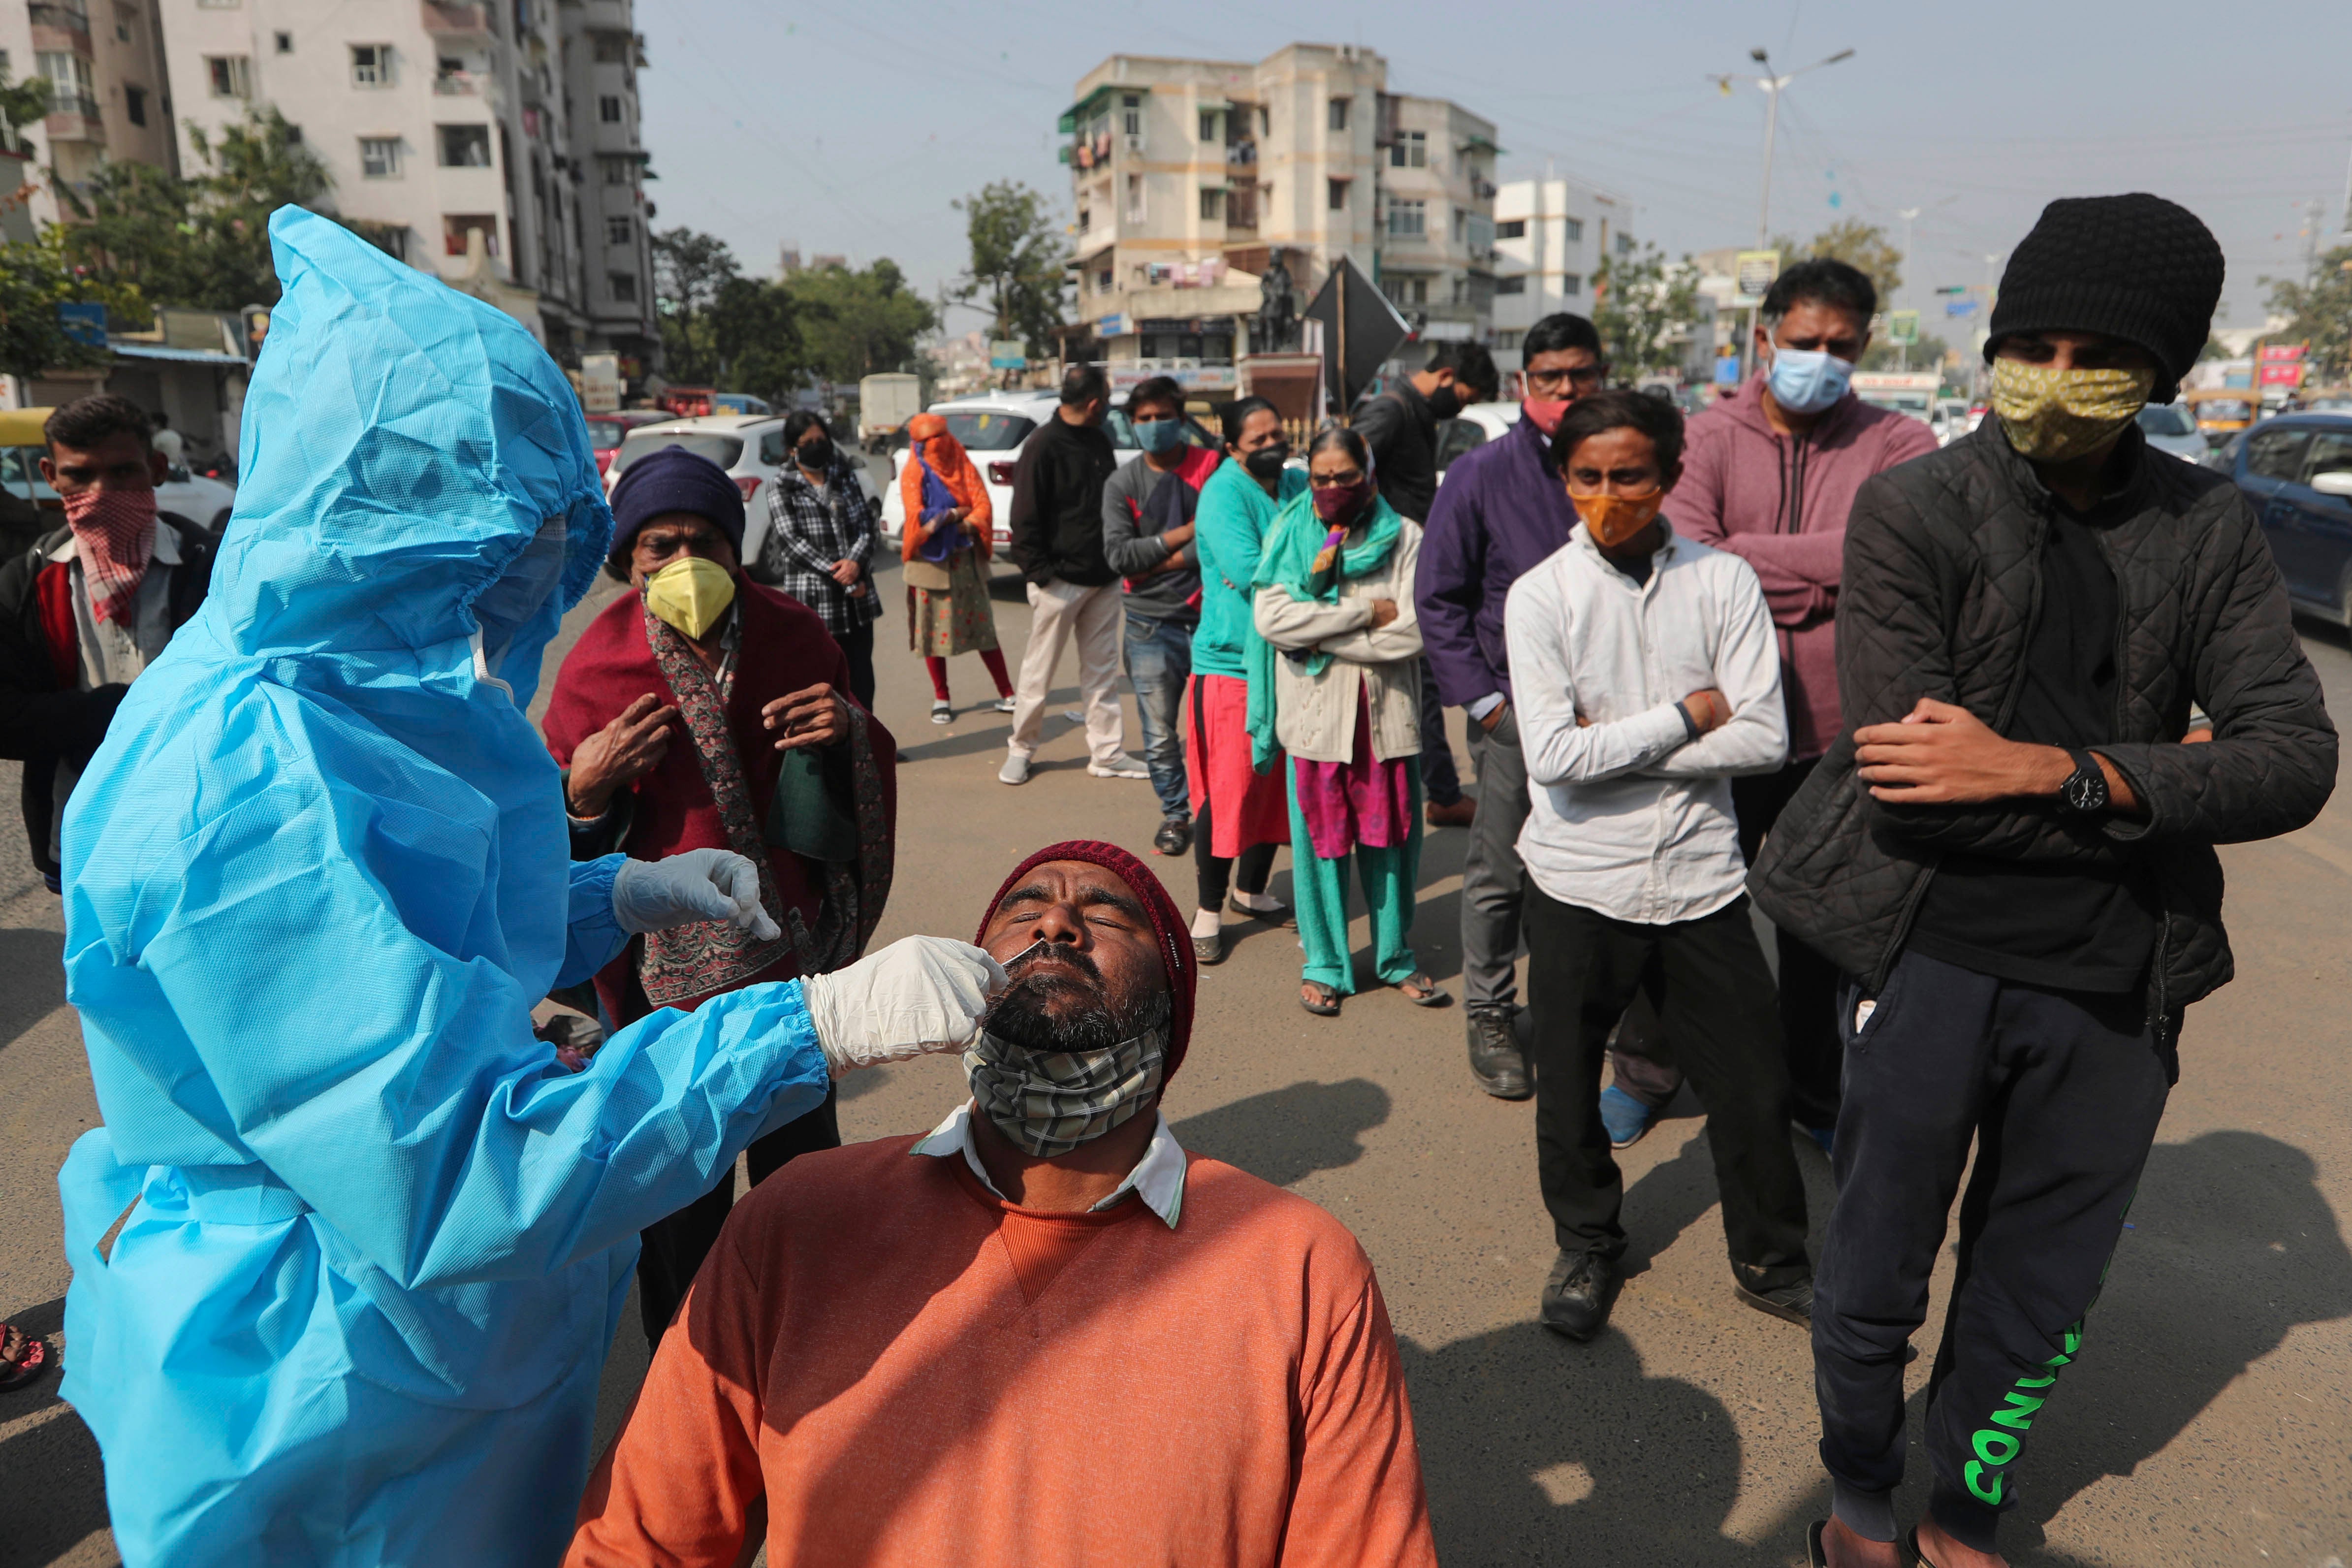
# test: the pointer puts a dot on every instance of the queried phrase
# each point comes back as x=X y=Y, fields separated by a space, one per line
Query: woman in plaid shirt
x=821 y=530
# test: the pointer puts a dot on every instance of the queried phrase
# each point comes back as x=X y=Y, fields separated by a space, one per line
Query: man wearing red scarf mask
x=91 y=604
x=1041 y=1333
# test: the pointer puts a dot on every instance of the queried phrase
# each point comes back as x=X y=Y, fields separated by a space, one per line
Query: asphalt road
x=2207 y=1421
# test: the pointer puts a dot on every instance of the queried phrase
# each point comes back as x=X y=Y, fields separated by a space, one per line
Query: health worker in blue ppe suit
x=350 y=1245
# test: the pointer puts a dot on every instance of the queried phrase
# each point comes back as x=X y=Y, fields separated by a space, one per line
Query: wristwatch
x=2086 y=789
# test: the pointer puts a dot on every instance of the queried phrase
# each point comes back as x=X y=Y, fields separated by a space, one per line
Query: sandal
x=1911 y=1543
x=1327 y=1003
x=1422 y=991
x=22 y=1358
x=1816 y=1554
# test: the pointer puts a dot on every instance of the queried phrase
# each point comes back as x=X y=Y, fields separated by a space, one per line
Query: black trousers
x=1248 y=871
x=671 y=1250
x=2060 y=1093
x=1643 y=1061
x=1441 y=782
x=1714 y=996
x=1809 y=982
x=858 y=648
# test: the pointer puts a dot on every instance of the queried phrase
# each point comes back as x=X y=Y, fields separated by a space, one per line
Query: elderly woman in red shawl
x=704 y=711
x=945 y=549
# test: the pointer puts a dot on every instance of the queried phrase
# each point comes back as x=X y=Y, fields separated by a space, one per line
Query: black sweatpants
x=857 y=647
x=1714 y=996
x=2061 y=1093
x=670 y=1251
x=1246 y=872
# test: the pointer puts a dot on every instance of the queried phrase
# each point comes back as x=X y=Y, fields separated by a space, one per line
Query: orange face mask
x=1614 y=520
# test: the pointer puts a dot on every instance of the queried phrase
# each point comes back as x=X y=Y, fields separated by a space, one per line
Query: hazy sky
x=851 y=128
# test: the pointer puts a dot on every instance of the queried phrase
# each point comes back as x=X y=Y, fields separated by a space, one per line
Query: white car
x=1470 y=429
x=202 y=502
x=749 y=446
x=992 y=428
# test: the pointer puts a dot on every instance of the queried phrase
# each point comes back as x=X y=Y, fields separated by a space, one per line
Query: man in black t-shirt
x=2012 y=852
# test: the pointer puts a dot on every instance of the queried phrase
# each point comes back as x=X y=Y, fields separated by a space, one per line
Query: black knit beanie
x=2136 y=267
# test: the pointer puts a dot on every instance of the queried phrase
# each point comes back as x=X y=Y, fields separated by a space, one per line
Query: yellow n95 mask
x=690 y=593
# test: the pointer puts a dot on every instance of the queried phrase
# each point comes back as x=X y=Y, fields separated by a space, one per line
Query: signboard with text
x=1007 y=355
x=1902 y=327
x=600 y=383
x=1753 y=272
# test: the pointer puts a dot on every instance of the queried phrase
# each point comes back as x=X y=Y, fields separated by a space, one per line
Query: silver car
x=2170 y=427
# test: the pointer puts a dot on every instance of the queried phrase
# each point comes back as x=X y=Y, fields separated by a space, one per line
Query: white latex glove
x=699 y=885
x=919 y=994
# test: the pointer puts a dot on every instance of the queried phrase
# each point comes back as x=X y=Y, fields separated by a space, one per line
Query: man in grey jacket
x=1147 y=509
x=2010 y=853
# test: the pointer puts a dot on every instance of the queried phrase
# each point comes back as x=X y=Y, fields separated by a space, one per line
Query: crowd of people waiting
x=353 y=1237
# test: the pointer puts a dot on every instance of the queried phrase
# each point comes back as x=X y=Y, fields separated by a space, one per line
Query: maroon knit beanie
x=1175 y=937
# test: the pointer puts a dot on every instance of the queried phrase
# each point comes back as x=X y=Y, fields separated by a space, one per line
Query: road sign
x=1753 y=272
x=1007 y=356
x=84 y=323
x=1902 y=327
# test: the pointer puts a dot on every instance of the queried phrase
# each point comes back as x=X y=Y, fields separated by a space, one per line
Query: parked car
x=2221 y=412
x=2170 y=427
x=992 y=428
x=605 y=430
x=1952 y=419
x=2297 y=472
x=749 y=446
x=205 y=502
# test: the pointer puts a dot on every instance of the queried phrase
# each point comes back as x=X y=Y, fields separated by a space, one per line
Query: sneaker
x=1790 y=1303
x=1576 y=1299
x=1015 y=769
x=1123 y=767
x=1624 y=1118
x=942 y=712
x=1496 y=1063
x=1460 y=813
x=1175 y=836
x=1006 y=704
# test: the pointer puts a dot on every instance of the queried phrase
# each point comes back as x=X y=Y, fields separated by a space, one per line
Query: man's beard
x=1034 y=1015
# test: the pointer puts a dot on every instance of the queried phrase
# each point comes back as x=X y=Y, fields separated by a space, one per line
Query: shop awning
x=1079 y=110
x=181 y=356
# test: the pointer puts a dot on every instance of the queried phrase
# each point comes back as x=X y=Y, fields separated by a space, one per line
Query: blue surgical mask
x=1806 y=381
x=1158 y=434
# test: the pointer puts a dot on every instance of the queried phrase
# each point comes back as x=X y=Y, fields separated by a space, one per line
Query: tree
x=34 y=280
x=854 y=324
x=1018 y=255
x=1644 y=308
x=2319 y=313
x=690 y=268
x=200 y=239
x=755 y=336
x=1862 y=245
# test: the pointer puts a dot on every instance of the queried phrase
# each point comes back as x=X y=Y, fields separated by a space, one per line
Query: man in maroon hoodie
x=1770 y=475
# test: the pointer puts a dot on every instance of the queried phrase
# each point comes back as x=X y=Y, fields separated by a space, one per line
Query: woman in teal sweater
x=1239 y=810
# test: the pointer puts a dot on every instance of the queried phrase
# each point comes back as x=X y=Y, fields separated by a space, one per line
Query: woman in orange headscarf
x=945 y=545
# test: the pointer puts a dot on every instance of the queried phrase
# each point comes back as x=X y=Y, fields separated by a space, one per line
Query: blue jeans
x=1160 y=665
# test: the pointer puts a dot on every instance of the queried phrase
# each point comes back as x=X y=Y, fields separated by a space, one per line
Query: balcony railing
x=446 y=20
x=73 y=117
x=65 y=17
x=454 y=84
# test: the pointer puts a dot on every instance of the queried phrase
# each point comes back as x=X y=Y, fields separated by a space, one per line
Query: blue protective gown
x=315 y=880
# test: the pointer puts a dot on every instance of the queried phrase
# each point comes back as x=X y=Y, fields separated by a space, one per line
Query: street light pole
x=1773 y=86
x=1903 y=350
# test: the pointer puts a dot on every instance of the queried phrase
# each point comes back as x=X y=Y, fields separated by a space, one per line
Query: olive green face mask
x=2054 y=416
x=690 y=593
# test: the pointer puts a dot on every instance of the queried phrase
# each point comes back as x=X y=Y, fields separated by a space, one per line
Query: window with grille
x=465 y=146
x=624 y=287
x=1339 y=114
x=134 y=105
x=620 y=230
x=1335 y=194
x=1510 y=285
x=1212 y=205
x=380 y=157
x=371 y=65
x=608 y=108
x=1571 y=283
x=1575 y=230
x=1131 y=109
x=1409 y=151
x=1511 y=228
x=1408 y=220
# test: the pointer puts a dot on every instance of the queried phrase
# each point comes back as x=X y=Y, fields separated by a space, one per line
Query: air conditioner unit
x=1135 y=141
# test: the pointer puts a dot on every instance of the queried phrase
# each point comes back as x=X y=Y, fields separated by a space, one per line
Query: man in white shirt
x=1645 y=677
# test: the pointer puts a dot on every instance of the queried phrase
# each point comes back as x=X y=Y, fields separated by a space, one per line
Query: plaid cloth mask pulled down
x=1049 y=1102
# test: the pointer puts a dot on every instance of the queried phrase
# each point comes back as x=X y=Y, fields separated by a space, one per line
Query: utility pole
x=1909 y=217
x=1772 y=86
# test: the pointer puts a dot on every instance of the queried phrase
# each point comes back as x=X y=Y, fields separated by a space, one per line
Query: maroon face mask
x=1340 y=503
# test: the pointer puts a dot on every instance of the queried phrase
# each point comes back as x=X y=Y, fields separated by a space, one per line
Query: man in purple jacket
x=1770 y=475
x=1496 y=516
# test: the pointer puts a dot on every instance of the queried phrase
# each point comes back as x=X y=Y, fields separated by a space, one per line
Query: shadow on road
x=34 y=960
x=42 y=1521
x=1285 y=1135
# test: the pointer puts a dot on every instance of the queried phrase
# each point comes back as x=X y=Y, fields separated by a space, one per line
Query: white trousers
x=1059 y=612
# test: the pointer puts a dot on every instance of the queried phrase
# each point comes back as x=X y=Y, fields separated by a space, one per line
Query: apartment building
x=1550 y=237
x=110 y=98
x=496 y=144
x=1188 y=176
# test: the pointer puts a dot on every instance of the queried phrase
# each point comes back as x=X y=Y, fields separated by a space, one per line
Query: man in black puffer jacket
x=2011 y=851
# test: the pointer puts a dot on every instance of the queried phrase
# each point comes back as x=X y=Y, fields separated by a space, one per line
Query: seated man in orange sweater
x=1059 y=1340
